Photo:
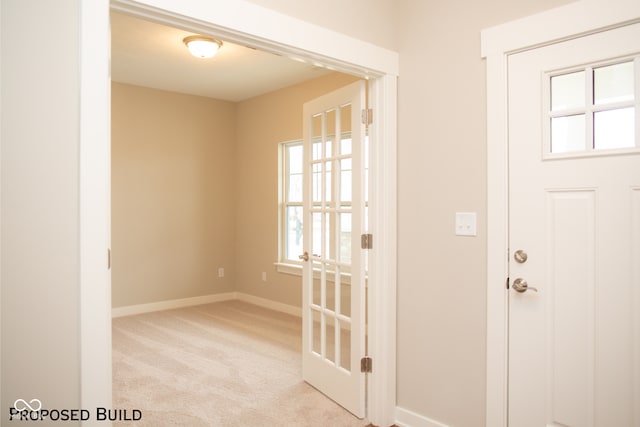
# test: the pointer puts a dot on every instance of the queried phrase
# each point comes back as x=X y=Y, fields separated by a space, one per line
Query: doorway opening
x=237 y=23
x=194 y=176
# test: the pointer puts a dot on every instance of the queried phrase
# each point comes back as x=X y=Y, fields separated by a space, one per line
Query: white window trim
x=497 y=43
x=296 y=270
x=288 y=265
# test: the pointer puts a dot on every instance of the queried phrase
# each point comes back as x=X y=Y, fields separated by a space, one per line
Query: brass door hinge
x=366 y=241
x=366 y=364
x=367 y=116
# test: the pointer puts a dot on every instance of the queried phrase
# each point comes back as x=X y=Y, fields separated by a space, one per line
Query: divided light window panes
x=594 y=108
x=291 y=229
x=331 y=186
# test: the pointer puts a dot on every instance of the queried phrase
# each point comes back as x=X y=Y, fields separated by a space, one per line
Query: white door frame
x=497 y=44
x=244 y=22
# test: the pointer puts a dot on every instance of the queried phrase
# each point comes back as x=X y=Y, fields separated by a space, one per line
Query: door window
x=592 y=109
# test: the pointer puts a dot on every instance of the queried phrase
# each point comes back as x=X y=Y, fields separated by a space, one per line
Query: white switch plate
x=466 y=224
x=221 y=272
x=264 y=276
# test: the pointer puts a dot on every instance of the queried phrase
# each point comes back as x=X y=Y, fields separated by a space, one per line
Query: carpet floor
x=222 y=364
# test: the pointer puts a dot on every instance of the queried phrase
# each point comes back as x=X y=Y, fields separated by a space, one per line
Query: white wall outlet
x=221 y=272
x=264 y=276
x=466 y=224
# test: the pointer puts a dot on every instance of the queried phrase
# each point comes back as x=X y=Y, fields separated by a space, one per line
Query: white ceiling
x=147 y=54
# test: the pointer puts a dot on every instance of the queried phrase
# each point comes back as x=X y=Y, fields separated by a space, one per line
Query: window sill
x=293 y=269
x=296 y=270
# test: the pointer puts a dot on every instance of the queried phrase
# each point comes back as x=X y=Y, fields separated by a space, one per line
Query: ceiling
x=148 y=54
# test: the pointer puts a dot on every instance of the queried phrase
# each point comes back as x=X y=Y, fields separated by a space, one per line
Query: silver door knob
x=521 y=285
x=304 y=256
x=520 y=256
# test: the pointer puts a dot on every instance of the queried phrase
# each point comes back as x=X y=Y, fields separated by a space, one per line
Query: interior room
x=185 y=197
x=196 y=186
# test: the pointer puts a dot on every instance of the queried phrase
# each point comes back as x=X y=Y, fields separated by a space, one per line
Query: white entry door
x=333 y=275
x=574 y=236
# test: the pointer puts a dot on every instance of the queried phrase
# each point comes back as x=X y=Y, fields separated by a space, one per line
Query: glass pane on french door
x=330 y=216
x=333 y=307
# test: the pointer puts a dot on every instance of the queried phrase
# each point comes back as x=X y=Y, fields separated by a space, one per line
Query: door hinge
x=367 y=116
x=109 y=259
x=366 y=241
x=366 y=364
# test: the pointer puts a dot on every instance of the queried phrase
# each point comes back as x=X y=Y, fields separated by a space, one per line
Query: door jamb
x=497 y=44
x=277 y=33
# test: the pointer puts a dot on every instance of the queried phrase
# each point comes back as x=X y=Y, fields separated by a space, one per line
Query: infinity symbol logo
x=24 y=405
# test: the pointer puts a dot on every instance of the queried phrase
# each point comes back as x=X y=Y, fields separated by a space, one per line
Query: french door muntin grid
x=589 y=109
x=330 y=216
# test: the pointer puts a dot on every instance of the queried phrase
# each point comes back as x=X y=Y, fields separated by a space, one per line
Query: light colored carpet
x=222 y=364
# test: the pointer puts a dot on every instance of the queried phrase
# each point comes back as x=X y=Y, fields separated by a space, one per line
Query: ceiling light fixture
x=201 y=46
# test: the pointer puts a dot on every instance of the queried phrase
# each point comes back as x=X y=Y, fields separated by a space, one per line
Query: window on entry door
x=591 y=109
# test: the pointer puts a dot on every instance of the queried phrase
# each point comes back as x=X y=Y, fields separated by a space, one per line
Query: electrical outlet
x=221 y=272
x=264 y=276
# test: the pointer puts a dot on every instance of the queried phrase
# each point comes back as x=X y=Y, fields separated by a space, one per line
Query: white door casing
x=572 y=360
x=251 y=24
x=497 y=44
x=333 y=299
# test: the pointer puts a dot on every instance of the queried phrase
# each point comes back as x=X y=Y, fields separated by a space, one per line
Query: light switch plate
x=466 y=224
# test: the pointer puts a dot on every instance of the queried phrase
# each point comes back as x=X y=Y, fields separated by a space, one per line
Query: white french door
x=333 y=304
x=574 y=232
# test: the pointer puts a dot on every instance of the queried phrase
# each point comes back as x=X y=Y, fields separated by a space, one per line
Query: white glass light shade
x=202 y=47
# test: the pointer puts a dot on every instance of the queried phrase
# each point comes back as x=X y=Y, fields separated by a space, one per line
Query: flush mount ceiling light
x=202 y=46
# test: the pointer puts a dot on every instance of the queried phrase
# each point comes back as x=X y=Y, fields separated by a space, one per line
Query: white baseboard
x=267 y=303
x=407 y=418
x=130 y=310
x=205 y=299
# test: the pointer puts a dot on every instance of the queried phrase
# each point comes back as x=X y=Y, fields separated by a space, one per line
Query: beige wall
x=173 y=195
x=39 y=217
x=195 y=188
x=262 y=123
x=373 y=21
x=442 y=169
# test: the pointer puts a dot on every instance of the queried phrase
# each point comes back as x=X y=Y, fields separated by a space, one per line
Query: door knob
x=520 y=256
x=304 y=256
x=521 y=285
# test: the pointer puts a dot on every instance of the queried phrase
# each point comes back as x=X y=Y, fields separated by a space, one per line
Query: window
x=291 y=201
x=593 y=108
x=338 y=170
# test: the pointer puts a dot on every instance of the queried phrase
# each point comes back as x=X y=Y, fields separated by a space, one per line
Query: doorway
x=194 y=179
x=340 y=52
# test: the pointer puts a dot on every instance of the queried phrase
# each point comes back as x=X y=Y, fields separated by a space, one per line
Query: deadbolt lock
x=520 y=256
